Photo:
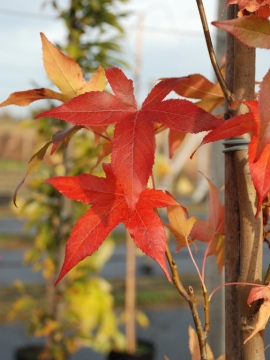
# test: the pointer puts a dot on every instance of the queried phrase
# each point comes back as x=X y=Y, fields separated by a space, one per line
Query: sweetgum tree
x=125 y=195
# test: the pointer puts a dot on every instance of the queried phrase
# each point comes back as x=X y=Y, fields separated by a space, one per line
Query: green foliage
x=95 y=32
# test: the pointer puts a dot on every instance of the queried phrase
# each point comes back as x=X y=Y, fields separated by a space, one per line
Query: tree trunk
x=243 y=232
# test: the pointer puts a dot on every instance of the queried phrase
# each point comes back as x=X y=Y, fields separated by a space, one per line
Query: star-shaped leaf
x=110 y=208
x=134 y=133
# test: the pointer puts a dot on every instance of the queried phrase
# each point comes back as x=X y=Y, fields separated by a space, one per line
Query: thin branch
x=197 y=322
x=229 y=96
x=190 y=298
x=206 y=310
x=175 y=275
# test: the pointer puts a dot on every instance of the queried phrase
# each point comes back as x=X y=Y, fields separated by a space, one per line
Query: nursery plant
x=126 y=191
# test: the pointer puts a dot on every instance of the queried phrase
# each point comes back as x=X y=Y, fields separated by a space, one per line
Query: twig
x=229 y=96
x=201 y=334
x=175 y=275
x=206 y=310
x=190 y=298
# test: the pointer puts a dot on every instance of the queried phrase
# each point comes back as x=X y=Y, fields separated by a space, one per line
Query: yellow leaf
x=97 y=81
x=64 y=72
x=180 y=225
x=142 y=319
x=32 y=166
x=23 y=98
x=263 y=316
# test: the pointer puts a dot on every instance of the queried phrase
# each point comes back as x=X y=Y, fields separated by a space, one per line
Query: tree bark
x=243 y=258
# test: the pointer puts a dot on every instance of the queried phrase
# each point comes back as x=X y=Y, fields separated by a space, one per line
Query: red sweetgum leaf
x=259 y=292
x=252 y=31
x=248 y=123
x=260 y=172
x=134 y=133
x=263 y=316
x=23 y=98
x=235 y=126
x=32 y=166
x=109 y=208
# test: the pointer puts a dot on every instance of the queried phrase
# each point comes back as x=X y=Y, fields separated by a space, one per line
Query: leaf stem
x=230 y=284
x=205 y=256
x=229 y=96
x=195 y=265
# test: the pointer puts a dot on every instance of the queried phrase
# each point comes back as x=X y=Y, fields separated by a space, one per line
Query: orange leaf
x=64 y=72
x=194 y=86
x=32 y=166
x=263 y=317
x=197 y=86
x=180 y=225
x=175 y=140
x=23 y=98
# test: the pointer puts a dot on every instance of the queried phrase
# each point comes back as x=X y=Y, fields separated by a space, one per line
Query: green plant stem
x=191 y=299
x=227 y=93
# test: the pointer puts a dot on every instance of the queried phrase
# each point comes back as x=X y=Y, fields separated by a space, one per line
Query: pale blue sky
x=173 y=44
